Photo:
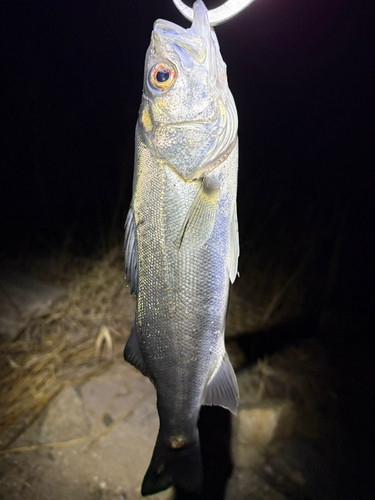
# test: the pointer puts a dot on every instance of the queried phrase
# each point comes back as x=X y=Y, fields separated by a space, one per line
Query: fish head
x=188 y=117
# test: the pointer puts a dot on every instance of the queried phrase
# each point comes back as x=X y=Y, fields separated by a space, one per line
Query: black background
x=73 y=70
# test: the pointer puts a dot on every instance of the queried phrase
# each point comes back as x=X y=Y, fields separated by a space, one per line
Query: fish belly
x=182 y=289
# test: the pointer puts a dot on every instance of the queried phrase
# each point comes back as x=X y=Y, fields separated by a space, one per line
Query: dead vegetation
x=299 y=376
x=61 y=347
x=258 y=304
x=68 y=345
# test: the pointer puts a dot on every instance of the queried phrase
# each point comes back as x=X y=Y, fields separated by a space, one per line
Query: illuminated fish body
x=181 y=240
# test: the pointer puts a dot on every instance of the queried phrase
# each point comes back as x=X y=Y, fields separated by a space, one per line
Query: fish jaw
x=191 y=125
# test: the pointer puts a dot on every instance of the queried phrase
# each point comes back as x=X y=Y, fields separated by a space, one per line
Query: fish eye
x=161 y=76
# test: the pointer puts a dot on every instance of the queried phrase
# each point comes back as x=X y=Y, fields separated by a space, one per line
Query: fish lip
x=162 y=24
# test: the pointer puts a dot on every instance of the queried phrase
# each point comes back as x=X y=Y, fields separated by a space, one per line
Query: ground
x=93 y=434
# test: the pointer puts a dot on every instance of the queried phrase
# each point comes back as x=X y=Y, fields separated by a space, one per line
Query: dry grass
x=300 y=380
x=60 y=347
x=262 y=299
x=63 y=347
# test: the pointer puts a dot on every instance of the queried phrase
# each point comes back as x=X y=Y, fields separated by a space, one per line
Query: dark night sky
x=300 y=74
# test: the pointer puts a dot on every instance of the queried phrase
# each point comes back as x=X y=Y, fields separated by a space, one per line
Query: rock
x=247 y=484
x=64 y=419
x=257 y=426
x=304 y=465
x=22 y=296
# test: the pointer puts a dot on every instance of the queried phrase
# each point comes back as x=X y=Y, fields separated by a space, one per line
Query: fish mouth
x=163 y=26
x=188 y=123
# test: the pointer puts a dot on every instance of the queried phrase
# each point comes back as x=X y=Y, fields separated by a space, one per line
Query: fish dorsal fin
x=200 y=219
x=133 y=353
x=234 y=246
x=131 y=257
x=222 y=389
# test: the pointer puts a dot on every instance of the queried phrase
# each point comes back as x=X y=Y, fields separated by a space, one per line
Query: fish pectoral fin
x=133 y=353
x=234 y=246
x=130 y=249
x=199 y=221
x=222 y=389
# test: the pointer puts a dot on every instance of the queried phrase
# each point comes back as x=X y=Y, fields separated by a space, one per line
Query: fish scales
x=181 y=299
x=182 y=241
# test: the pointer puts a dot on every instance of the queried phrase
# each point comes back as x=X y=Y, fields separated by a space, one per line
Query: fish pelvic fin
x=179 y=465
x=222 y=389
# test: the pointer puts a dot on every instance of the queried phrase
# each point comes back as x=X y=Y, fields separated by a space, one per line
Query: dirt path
x=94 y=441
x=106 y=429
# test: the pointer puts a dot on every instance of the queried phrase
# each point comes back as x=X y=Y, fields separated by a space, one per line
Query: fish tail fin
x=178 y=466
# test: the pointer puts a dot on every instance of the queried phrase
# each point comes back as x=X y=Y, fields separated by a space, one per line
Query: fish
x=181 y=241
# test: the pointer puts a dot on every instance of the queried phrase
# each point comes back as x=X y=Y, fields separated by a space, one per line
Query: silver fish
x=181 y=240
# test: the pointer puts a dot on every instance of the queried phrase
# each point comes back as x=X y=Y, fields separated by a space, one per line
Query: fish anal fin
x=133 y=353
x=200 y=219
x=222 y=389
